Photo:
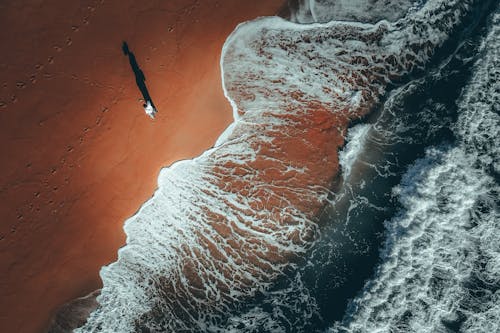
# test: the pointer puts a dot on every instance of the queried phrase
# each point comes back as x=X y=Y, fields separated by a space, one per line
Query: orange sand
x=79 y=155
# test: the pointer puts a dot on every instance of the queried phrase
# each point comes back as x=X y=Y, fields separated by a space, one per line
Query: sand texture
x=79 y=155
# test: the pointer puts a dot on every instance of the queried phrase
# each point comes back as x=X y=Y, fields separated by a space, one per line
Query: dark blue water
x=413 y=117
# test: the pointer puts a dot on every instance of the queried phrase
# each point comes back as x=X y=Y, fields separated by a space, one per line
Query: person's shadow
x=140 y=80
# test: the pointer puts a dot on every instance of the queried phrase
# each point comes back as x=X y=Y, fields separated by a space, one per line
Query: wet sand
x=79 y=155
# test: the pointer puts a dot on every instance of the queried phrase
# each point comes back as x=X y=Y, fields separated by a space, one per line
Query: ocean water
x=439 y=268
x=366 y=11
x=405 y=239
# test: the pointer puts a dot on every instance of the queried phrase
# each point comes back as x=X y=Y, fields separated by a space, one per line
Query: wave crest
x=225 y=225
x=440 y=269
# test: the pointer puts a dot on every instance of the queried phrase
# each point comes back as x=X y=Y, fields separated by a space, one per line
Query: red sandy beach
x=79 y=155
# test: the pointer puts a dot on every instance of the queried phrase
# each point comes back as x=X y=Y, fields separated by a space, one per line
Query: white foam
x=356 y=139
x=441 y=262
x=368 y=11
x=217 y=230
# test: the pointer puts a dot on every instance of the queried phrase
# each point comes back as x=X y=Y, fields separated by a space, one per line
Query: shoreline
x=78 y=146
x=275 y=164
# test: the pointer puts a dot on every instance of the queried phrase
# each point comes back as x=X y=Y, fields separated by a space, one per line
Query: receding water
x=409 y=237
x=415 y=116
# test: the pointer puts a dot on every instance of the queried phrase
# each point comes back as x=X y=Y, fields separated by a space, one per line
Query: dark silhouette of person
x=140 y=80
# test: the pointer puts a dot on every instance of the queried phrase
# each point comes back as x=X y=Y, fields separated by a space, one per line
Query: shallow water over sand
x=250 y=236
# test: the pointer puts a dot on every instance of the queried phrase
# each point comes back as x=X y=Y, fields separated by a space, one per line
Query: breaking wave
x=440 y=269
x=229 y=238
x=366 y=11
x=355 y=142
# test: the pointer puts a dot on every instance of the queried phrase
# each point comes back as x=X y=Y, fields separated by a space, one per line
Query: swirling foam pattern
x=440 y=268
x=225 y=225
x=366 y=11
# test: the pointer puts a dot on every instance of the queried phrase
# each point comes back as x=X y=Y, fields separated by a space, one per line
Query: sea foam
x=355 y=143
x=224 y=226
x=440 y=267
x=367 y=11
